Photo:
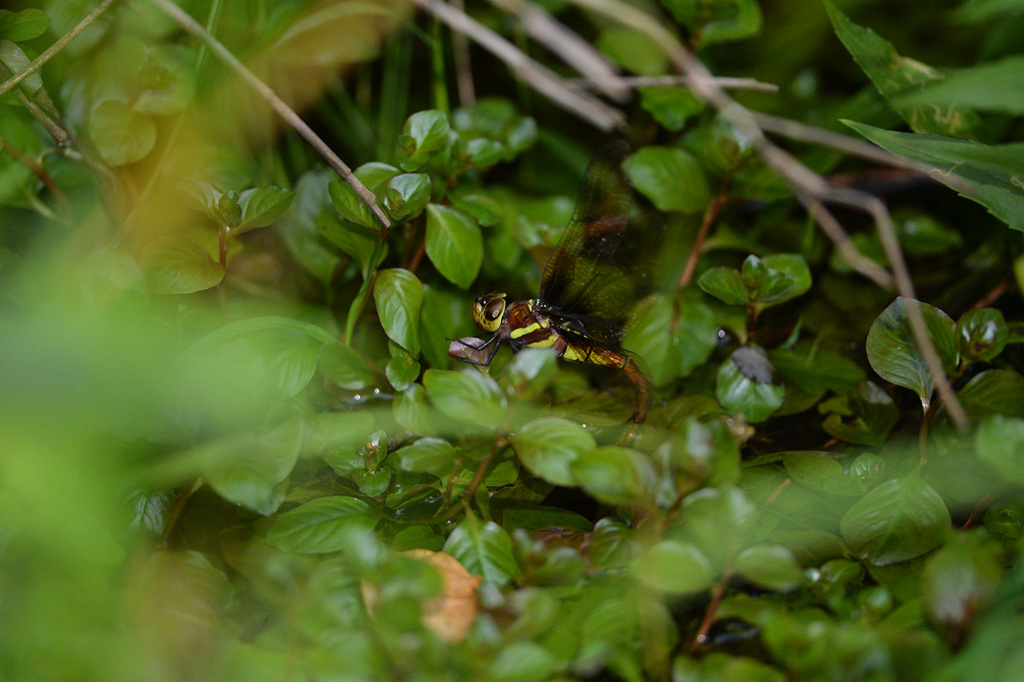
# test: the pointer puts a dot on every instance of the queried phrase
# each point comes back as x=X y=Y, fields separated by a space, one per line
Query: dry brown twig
x=724 y=82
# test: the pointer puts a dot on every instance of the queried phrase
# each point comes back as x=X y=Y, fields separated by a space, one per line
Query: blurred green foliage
x=228 y=411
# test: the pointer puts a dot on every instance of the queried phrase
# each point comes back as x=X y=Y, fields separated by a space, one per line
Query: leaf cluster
x=237 y=448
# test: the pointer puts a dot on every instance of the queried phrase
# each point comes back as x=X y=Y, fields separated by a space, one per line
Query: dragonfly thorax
x=489 y=310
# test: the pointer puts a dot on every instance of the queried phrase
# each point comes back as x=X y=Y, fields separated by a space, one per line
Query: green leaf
x=717 y=21
x=24 y=25
x=228 y=210
x=616 y=475
x=320 y=526
x=820 y=472
x=402 y=370
x=1000 y=445
x=814 y=369
x=981 y=334
x=176 y=264
x=405 y=195
x=787 y=277
x=720 y=666
x=413 y=411
x=771 y=567
x=441 y=306
x=995 y=391
x=203 y=196
x=731 y=20
x=454 y=244
x=720 y=522
x=121 y=136
x=424 y=132
x=744 y=384
x=337 y=430
x=990 y=172
x=868 y=468
x=484 y=208
x=15 y=59
x=899 y=520
x=531 y=371
x=262 y=206
x=612 y=544
x=633 y=50
x=670 y=177
x=978 y=11
x=693 y=338
x=484 y=153
x=373 y=483
x=468 y=396
x=399 y=296
x=673 y=567
x=523 y=661
x=376 y=175
x=345 y=366
x=548 y=447
x=997 y=86
x=428 y=129
x=250 y=469
x=485 y=549
x=725 y=284
x=864 y=417
x=923 y=235
x=671 y=107
x=428 y=455
x=961 y=580
x=350 y=205
x=290 y=360
x=893 y=353
x=895 y=75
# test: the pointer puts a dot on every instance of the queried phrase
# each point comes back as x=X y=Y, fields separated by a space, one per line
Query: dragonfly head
x=488 y=311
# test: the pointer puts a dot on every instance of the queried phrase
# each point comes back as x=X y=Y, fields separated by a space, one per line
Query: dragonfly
x=589 y=292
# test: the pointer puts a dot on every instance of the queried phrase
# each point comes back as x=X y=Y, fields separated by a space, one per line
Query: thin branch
x=801 y=179
x=802 y=132
x=597 y=69
x=844 y=245
x=59 y=135
x=36 y=63
x=463 y=64
x=283 y=110
x=541 y=78
x=725 y=82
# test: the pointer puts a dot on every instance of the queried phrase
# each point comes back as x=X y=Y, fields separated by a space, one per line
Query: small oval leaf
x=671 y=178
x=399 y=295
x=454 y=244
x=893 y=352
x=320 y=526
x=899 y=520
x=548 y=446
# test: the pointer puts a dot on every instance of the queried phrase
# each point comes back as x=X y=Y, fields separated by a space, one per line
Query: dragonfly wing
x=582 y=278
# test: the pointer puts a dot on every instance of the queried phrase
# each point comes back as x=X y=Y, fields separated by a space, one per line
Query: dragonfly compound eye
x=488 y=311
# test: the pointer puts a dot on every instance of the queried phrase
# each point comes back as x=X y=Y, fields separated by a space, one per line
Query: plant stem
x=710 y=214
